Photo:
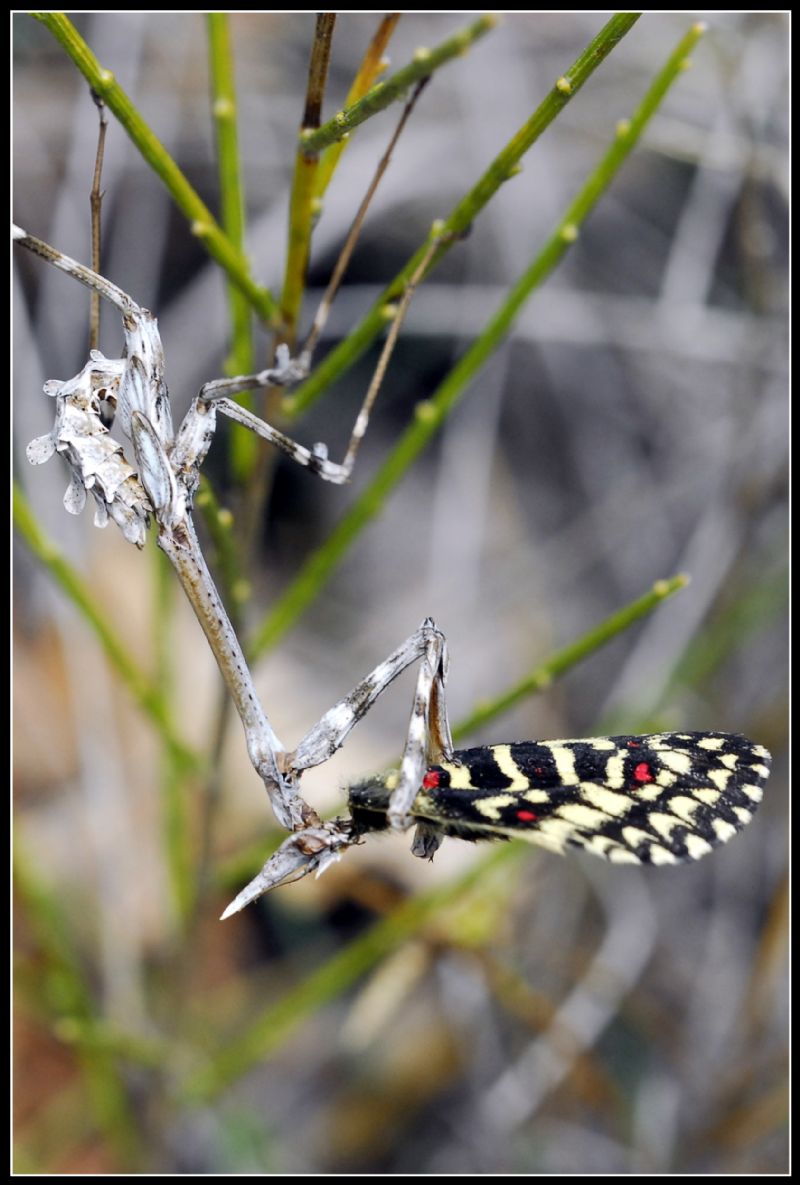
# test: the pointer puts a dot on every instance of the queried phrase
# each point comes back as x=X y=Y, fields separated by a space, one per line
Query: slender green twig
x=560 y=662
x=424 y=62
x=431 y=414
x=462 y=216
x=372 y=65
x=100 y=1037
x=224 y=108
x=146 y=695
x=303 y=200
x=729 y=631
x=203 y=223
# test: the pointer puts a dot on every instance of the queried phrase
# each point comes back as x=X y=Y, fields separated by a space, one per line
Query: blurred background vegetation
x=501 y=1010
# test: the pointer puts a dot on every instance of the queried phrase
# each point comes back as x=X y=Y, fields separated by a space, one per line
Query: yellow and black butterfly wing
x=657 y=799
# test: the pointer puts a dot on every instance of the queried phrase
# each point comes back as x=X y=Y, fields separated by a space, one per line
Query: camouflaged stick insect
x=162 y=486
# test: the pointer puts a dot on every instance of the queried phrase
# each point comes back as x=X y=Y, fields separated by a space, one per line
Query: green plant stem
x=424 y=63
x=761 y=602
x=278 y=1021
x=146 y=695
x=303 y=201
x=462 y=216
x=241 y=357
x=99 y=1037
x=431 y=414
x=372 y=64
x=560 y=662
x=202 y=222
x=302 y=206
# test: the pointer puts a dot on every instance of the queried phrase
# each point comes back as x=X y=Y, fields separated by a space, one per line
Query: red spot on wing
x=643 y=773
x=431 y=779
x=526 y=816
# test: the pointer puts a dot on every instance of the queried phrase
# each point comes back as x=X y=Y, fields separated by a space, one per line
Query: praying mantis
x=162 y=487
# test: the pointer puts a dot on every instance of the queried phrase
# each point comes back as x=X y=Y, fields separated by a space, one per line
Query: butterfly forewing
x=656 y=799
